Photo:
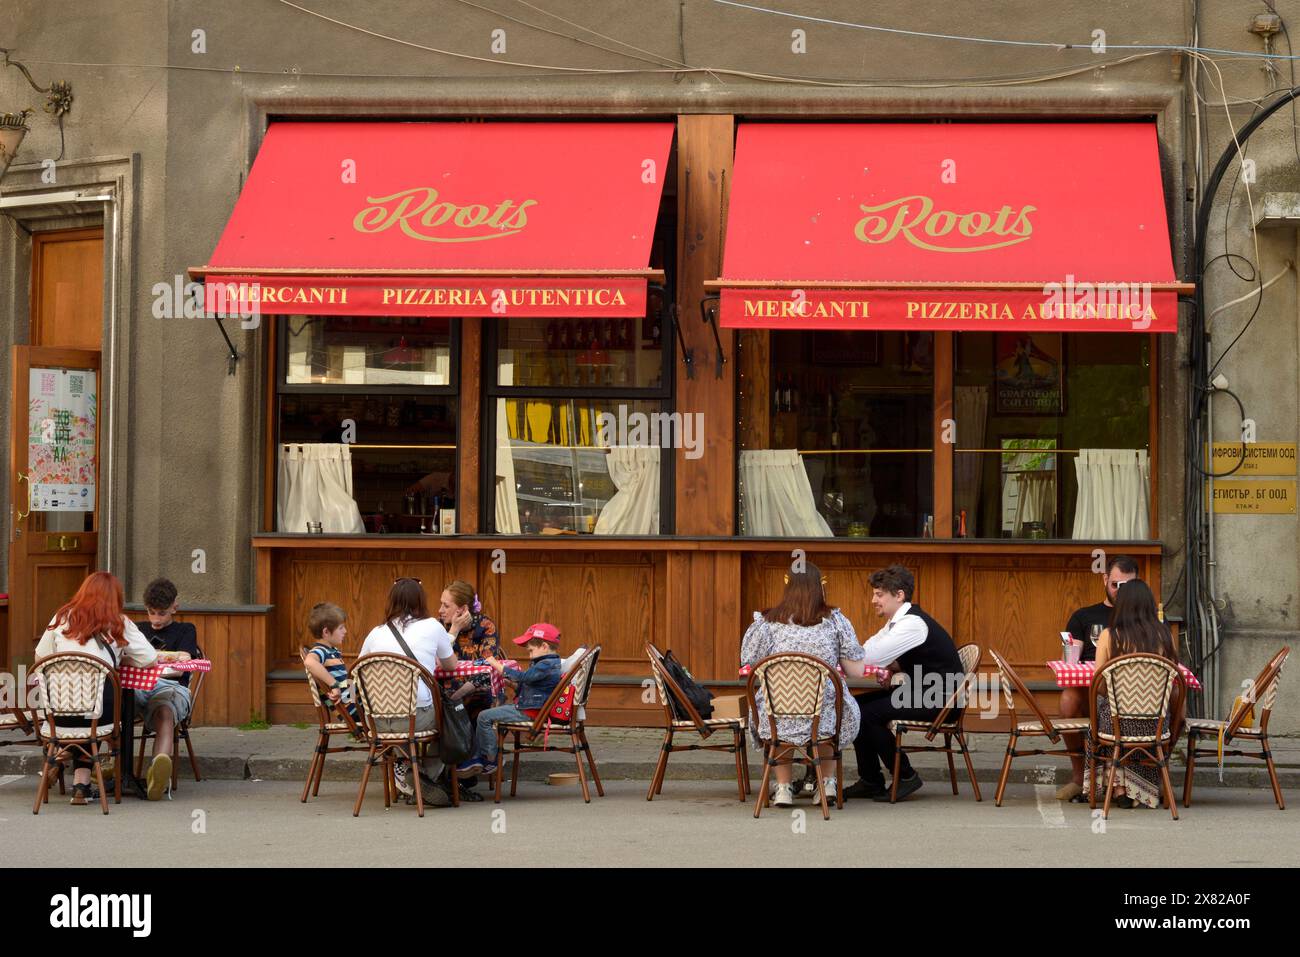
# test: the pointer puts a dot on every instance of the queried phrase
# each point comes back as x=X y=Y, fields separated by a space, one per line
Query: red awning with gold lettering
x=444 y=219
x=958 y=226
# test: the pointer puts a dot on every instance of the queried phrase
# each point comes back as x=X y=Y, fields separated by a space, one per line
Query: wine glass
x=1094 y=632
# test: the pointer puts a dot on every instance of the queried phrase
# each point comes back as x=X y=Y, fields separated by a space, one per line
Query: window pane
x=365 y=350
x=580 y=352
x=858 y=407
x=1017 y=394
x=555 y=475
x=403 y=457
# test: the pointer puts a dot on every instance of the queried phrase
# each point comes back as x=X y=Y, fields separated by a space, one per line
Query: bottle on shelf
x=961 y=524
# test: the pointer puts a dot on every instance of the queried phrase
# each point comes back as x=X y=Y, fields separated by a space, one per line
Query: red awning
x=994 y=226
x=444 y=219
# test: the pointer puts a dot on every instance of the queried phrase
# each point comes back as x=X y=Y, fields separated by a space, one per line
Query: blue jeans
x=485 y=735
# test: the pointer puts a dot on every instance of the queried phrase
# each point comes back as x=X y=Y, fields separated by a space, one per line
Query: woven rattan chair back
x=970 y=657
x=793 y=686
x=1262 y=693
x=1009 y=679
x=1138 y=687
x=71 y=685
x=388 y=685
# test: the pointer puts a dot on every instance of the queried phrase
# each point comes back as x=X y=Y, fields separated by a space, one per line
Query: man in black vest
x=918 y=646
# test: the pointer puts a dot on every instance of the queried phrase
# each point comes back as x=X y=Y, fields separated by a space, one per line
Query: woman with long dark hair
x=1135 y=628
x=94 y=623
x=804 y=622
x=474 y=636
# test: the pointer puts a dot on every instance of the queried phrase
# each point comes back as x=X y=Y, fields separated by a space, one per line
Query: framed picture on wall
x=918 y=353
x=1029 y=373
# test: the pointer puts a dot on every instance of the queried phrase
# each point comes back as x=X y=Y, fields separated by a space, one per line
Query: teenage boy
x=168 y=703
x=533 y=687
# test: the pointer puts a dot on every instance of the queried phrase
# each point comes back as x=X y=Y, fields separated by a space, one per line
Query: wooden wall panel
x=754 y=393
x=67 y=291
x=469 y=425
x=235 y=688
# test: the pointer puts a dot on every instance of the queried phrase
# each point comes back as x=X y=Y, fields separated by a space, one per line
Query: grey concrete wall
x=191 y=456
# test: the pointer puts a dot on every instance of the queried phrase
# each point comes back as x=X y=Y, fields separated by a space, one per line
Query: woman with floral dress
x=804 y=622
x=1135 y=627
x=474 y=637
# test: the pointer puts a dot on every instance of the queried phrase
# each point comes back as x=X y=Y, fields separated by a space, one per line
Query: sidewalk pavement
x=284 y=752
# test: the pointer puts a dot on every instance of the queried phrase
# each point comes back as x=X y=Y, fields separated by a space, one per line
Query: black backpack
x=701 y=698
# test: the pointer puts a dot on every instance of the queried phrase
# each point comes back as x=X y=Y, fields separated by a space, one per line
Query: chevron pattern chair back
x=72 y=685
x=792 y=685
x=970 y=657
x=584 y=673
x=1139 y=688
x=1269 y=696
x=387 y=685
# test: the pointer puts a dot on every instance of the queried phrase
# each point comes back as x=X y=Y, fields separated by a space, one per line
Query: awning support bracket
x=668 y=312
x=232 y=358
x=711 y=319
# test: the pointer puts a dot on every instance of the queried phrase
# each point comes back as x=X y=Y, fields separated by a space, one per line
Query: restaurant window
x=366 y=416
x=1053 y=435
x=581 y=439
x=847 y=446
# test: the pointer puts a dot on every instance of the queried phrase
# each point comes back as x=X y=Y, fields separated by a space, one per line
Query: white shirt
x=137 y=651
x=900 y=635
x=429 y=642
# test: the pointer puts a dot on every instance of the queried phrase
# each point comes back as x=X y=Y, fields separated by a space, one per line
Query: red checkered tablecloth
x=880 y=674
x=144 y=679
x=468 y=669
x=1080 y=675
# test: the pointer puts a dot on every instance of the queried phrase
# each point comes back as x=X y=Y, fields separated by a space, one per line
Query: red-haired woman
x=804 y=622
x=94 y=623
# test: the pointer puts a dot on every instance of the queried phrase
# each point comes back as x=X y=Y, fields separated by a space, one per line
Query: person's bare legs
x=825 y=754
x=164 y=725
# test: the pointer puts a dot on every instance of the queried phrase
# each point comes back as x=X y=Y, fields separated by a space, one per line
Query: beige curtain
x=1114 y=494
x=634 y=509
x=315 y=485
x=1035 y=502
x=506 y=500
x=777 y=500
x=970 y=409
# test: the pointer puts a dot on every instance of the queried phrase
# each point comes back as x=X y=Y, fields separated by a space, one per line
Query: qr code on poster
x=76 y=383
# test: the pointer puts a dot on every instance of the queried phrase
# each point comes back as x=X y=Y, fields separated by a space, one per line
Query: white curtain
x=776 y=497
x=1114 y=494
x=316 y=486
x=1035 y=501
x=506 y=499
x=634 y=509
x=970 y=409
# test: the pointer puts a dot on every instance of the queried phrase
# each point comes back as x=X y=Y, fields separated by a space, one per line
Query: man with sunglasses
x=1074 y=701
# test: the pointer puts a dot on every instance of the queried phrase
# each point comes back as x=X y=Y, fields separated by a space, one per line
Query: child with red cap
x=533 y=687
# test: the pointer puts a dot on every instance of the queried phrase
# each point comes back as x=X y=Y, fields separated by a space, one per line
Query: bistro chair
x=580 y=676
x=1264 y=693
x=388 y=688
x=331 y=719
x=948 y=722
x=72 y=686
x=794 y=686
x=180 y=732
x=1142 y=691
x=675 y=702
x=1044 y=726
x=21 y=721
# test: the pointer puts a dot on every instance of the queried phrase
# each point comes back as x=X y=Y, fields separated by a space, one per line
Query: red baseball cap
x=548 y=633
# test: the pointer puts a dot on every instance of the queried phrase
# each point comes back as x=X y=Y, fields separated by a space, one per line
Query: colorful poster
x=61 y=440
x=1030 y=374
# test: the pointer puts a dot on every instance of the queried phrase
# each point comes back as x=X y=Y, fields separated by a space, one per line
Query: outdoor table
x=467 y=669
x=134 y=679
x=1080 y=675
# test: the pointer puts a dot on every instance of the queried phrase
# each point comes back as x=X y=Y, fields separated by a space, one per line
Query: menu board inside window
x=61 y=440
x=367 y=351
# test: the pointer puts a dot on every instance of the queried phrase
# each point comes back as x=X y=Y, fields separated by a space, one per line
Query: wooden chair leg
x=116 y=745
x=139 y=760
x=898 y=761
x=43 y=789
x=514 y=767
x=582 y=776
x=952 y=768
x=1168 y=788
x=320 y=768
x=316 y=758
x=176 y=756
x=970 y=767
x=388 y=778
x=501 y=750
x=365 y=779
x=414 y=771
x=99 y=779
x=591 y=761
x=1090 y=761
x=839 y=777
x=1110 y=782
x=813 y=755
x=1191 y=765
x=744 y=763
x=1272 y=773
x=62 y=788
x=661 y=765
x=762 y=785
x=1006 y=770
x=738 y=752
x=189 y=747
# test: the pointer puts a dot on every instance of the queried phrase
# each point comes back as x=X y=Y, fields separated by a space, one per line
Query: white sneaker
x=402 y=778
x=784 y=796
x=829 y=785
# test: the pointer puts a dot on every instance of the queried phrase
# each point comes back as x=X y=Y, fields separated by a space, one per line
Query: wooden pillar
x=706 y=485
x=470 y=424
x=754 y=394
x=943 y=369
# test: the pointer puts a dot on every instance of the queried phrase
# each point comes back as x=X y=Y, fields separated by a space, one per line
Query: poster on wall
x=1030 y=375
x=61 y=440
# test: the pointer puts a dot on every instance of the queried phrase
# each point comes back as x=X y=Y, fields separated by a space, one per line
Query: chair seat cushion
x=401 y=735
x=10 y=720
x=1213 y=726
x=907 y=725
x=1060 y=724
x=714 y=723
x=72 y=733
